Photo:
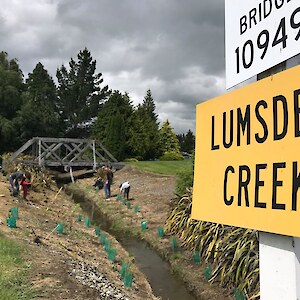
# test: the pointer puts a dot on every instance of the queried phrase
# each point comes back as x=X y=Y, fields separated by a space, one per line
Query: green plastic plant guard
x=128 y=205
x=87 y=222
x=11 y=222
x=107 y=245
x=144 y=225
x=112 y=254
x=59 y=228
x=128 y=279
x=160 y=231
x=97 y=190
x=196 y=257
x=97 y=230
x=124 y=269
x=119 y=197
x=79 y=218
x=136 y=209
x=207 y=273
x=238 y=295
x=102 y=238
x=14 y=212
x=174 y=243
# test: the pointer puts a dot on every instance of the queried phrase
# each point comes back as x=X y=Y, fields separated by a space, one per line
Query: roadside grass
x=163 y=167
x=13 y=271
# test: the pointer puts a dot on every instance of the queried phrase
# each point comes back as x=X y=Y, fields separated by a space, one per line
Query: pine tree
x=189 y=142
x=11 y=89
x=39 y=114
x=139 y=139
x=148 y=106
x=80 y=94
x=181 y=138
x=115 y=136
x=113 y=122
x=144 y=134
x=11 y=86
x=168 y=138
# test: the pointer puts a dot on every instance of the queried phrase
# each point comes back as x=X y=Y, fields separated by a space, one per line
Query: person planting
x=125 y=188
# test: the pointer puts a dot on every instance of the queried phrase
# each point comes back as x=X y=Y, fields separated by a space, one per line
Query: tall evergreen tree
x=80 y=94
x=149 y=107
x=11 y=88
x=181 y=138
x=168 y=138
x=139 y=139
x=39 y=114
x=187 y=141
x=144 y=134
x=115 y=139
x=113 y=122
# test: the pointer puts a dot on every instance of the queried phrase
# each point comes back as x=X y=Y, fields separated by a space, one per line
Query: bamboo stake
x=58 y=193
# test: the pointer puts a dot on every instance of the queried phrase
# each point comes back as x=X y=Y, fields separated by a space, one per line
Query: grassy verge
x=12 y=270
x=163 y=167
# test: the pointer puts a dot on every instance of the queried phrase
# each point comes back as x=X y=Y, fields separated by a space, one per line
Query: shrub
x=131 y=160
x=184 y=181
x=231 y=251
x=171 y=156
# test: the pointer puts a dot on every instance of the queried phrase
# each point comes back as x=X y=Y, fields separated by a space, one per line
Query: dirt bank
x=71 y=265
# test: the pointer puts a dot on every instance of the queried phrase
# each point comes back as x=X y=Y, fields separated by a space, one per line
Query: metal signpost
x=247 y=162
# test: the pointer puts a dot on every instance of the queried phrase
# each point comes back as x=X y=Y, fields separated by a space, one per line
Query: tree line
x=79 y=106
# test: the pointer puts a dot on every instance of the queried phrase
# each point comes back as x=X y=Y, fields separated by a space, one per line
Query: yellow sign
x=247 y=163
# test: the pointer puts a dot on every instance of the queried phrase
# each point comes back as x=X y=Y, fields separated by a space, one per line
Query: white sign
x=259 y=34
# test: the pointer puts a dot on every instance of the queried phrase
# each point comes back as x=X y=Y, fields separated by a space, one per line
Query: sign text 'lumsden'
x=247 y=164
x=236 y=129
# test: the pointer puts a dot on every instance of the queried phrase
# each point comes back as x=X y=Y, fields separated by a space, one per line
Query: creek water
x=164 y=284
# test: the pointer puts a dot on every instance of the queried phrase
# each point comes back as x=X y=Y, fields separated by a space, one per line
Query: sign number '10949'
x=259 y=35
x=246 y=54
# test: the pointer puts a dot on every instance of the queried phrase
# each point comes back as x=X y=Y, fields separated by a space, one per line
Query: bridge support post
x=71 y=175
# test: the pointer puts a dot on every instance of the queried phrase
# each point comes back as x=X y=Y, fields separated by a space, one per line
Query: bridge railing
x=66 y=152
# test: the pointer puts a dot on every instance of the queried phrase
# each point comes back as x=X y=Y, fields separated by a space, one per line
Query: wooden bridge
x=65 y=152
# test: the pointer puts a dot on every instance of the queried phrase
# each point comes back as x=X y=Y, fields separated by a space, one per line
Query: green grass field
x=12 y=271
x=164 y=167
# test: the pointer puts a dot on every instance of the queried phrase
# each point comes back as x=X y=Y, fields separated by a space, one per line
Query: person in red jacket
x=24 y=184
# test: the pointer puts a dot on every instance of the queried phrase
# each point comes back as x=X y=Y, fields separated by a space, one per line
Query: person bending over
x=125 y=188
x=14 y=180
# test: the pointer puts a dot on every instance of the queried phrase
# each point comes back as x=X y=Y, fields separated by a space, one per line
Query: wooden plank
x=107 y=152
x=50 y=151
x=21 y=149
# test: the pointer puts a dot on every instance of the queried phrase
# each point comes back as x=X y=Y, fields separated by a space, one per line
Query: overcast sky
x=175 y=48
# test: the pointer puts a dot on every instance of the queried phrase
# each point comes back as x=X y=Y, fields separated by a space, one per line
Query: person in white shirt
x=125 y=188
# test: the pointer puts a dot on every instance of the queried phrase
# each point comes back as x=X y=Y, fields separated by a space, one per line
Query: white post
x=279 y=257
x=40 y=152
x=94 y=155
x=71 y=175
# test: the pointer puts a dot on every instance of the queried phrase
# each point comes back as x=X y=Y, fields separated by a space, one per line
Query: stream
x=164 y=284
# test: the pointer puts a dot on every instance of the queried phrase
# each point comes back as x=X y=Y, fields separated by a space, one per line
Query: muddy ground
x=54 y=258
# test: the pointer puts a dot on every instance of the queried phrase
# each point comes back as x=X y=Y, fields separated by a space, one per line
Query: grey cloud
x=173 y=47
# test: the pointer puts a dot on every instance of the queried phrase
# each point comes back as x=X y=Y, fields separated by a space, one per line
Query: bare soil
x=51 y=258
